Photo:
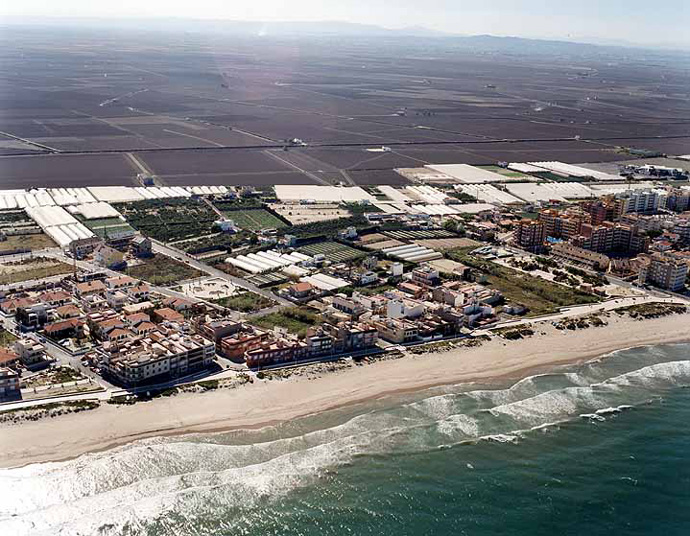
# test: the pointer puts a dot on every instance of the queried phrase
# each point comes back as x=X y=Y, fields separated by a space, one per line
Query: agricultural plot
x=267 y=280
x=447 y=243
x=419 y=235
x=254 y=219
x=227 y=118
x=333 y=251
x=170 y=219
x=107 y=227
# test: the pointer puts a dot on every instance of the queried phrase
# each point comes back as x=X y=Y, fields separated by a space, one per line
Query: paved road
x=159 y=247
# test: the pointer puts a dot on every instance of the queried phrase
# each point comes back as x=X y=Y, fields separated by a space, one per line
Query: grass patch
x=162 y=270
x=247 y=302
x=6 y=338
x=107 y=227
x=652 y=310
x=538 y=295
x=296 y=320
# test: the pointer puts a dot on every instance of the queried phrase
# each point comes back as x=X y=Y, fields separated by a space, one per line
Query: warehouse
x=59 y=224
x=322 y=194
x=551 y=191
x=488 y=194
x=413 y=253
x=467 y=174
x=568 y=170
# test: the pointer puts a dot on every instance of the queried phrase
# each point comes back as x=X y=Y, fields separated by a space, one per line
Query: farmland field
x=254 y=219
x=223 y=110
x=169 y=220
x=105 y=227
x=334 y=251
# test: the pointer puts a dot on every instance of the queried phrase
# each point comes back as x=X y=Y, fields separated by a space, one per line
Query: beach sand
x=268 y=402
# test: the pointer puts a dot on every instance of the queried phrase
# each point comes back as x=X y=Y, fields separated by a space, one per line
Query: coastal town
x=114 y=292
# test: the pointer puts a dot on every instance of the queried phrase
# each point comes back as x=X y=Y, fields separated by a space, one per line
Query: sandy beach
x=267 y=402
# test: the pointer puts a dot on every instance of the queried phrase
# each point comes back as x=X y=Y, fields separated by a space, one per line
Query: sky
x=663 y=22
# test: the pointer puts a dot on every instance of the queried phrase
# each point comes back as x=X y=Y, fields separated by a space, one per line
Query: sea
x=596 y=449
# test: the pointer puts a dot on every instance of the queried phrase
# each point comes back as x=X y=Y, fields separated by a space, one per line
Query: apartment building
x=425 y=276
x=529 y=235
x=665 y=272
x=398 y=331
x=600 y=210
x=273 y=352
x=9 y=383
x=611 y=237
x=156 y=357
x=584 y=257
x=558 y=224
x=639 y=202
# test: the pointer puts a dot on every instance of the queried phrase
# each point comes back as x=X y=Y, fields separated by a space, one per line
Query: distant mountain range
x=330 y=29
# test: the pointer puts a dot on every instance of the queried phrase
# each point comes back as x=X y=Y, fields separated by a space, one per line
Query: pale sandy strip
x=268 y=402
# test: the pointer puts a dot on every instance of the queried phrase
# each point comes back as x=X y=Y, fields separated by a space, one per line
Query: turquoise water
x=599 y=449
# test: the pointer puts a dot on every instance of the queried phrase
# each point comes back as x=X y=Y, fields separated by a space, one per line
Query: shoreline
x=271 y=402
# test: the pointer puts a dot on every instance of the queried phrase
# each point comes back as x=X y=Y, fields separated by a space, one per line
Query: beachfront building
x=155 y=357
x=30 y=352
x=236 y=345
x=395 y=330
x=274 y=352
x=665 y=272
x=9 y=383
x=572 y=254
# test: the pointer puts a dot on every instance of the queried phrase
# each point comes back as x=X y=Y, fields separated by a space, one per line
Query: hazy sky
x=635 y=21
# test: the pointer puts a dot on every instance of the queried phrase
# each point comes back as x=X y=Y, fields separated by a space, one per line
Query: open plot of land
x=333 y=251
x=299 y=214
x=537 y=294
x=296 y=320
x=30 y=269
x=31 y=242
x=447 y=243
x=245 y=302
x=254 y=219
x=161 y=270
x=211 y=288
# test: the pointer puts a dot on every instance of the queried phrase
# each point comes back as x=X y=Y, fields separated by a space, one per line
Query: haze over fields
x=217 y=103
x=613 y=21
